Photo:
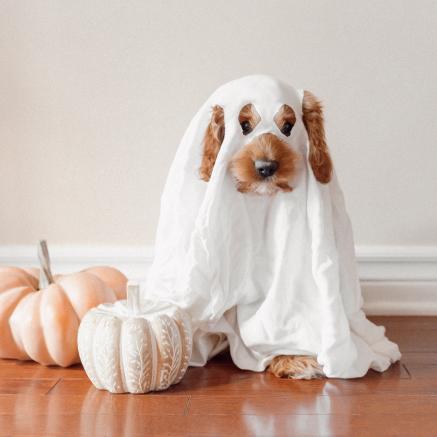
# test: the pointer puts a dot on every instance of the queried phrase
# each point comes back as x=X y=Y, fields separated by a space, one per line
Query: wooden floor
x=220 y=400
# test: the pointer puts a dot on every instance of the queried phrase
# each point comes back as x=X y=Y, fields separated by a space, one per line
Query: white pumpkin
x=136 y=347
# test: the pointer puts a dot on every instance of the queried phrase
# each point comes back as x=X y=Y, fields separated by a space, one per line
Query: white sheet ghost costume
x=266 y=275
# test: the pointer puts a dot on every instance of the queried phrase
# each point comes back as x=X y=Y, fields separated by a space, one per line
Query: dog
x=265 y=166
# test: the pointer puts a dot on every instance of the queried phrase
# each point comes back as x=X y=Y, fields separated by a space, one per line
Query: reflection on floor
x=220 y=400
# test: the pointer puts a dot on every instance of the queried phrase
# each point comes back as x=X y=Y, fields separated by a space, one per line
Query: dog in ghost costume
x=267 y=164
x=254 y=241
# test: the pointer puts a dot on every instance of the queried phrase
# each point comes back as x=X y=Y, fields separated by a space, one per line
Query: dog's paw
x=295 y=367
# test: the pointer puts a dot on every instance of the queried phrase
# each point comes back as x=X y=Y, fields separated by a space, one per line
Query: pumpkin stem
x=45 y=274
x=133 y=297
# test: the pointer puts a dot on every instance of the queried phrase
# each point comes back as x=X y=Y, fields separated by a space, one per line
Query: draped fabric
x=264 y=275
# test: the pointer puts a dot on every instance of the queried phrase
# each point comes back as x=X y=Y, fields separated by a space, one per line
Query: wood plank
x=418 y=323
x=26 y=386
x=50 y=424
x=250 y=425
x=68 y=386
x=219 y=399
x=308 y=404
x=419 y=372
x=326 y=388
x=31 y=369
x=423 y=338
x=419 y=358
x=216 y=382
x=96 y=401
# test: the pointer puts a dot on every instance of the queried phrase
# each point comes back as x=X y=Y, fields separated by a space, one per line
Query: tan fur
x=285 y=114
x=264 y=147
x=295 y=366
x=318 y=155
x=250 y=114
x=215 y=132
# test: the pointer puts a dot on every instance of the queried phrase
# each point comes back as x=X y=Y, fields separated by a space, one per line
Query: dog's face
x=267 y=164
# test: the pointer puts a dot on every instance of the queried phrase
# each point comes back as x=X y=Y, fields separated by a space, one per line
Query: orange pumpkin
x=40 y=314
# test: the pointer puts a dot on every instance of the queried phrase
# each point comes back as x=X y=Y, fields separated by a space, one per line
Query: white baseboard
x=132 y=261
x=395 y=280
x=400 y=298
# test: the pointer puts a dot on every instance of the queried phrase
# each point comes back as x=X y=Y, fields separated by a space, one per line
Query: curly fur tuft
x=319 y=157
x=295 y=367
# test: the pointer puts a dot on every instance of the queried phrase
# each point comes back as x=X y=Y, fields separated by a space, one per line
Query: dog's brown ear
x=215 y=132
x=319 y=157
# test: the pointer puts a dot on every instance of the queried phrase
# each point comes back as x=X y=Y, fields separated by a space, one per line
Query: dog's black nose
x=266 y=168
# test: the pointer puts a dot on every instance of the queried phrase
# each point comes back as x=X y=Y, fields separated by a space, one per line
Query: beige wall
x=95 y=96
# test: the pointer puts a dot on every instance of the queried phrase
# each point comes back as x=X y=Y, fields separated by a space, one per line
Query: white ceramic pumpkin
x=135 y=346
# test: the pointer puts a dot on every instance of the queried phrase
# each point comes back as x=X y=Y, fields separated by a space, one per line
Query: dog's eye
x=286 y=129
x=247 y=128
